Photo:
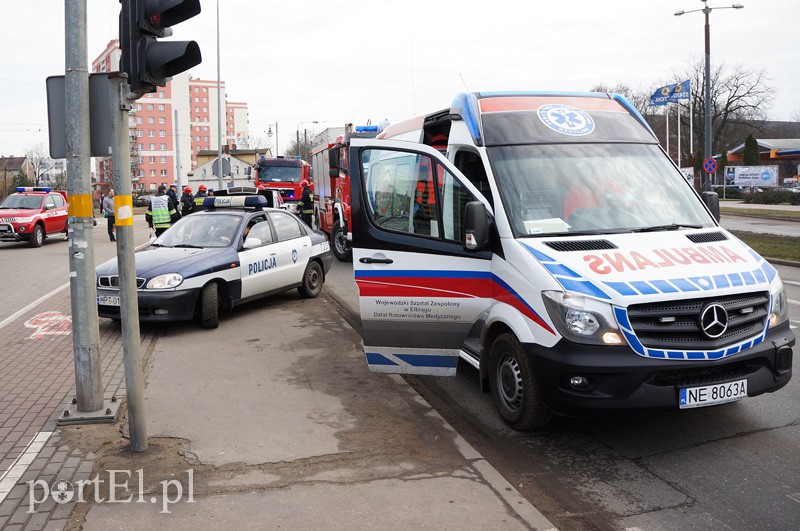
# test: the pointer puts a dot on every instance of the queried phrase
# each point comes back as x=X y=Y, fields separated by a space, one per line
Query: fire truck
x=284 y=175
x=332 y=189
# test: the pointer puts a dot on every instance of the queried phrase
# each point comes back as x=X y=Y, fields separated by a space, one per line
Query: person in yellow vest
x=161 y=212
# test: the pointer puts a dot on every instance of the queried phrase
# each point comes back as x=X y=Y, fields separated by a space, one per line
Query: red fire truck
x=332 y=189
x=284 y=175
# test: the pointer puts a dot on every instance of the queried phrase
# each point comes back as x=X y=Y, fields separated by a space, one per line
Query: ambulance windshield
x=593 y=189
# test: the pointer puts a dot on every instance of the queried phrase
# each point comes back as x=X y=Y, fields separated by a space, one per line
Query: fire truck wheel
x=340 y=246
x=209 y=306
x=37 y=236
x=513 y=385
x=312 y=281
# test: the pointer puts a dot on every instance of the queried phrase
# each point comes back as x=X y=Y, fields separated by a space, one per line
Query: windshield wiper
x=670 y=226
x=188 y=246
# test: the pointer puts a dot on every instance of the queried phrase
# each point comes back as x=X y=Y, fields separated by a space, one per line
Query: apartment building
x=169 y=127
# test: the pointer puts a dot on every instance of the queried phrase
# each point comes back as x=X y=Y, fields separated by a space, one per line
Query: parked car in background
x=141 y=201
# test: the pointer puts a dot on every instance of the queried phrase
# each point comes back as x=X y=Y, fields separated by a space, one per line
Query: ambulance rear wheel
x=340 y=246
x=37 y=236
x=514 y=387
x=312 y=281
x=209 y=306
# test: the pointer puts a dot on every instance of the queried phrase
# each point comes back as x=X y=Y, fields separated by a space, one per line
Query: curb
x=775 y=218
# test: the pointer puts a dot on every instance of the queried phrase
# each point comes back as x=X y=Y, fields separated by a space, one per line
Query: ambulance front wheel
x=514 y=387
x=341 y=248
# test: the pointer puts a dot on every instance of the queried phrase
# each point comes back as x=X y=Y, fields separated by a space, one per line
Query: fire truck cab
x=284 y=175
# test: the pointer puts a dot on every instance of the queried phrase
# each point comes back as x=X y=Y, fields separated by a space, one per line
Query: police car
x=32 y=214
x=237 y=250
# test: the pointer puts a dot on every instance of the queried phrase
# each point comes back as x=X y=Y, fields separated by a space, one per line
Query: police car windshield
x=201 y=230
x=593 y=189
x=283 y=174
x=33 y=202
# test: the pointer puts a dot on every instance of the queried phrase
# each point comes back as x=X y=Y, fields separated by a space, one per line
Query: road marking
x=795 y=496
x=792 y=282
x=11 y=318
x=18 y=468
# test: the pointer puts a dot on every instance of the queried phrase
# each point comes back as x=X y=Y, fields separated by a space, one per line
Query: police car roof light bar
x=237 y=201
x=33 y=189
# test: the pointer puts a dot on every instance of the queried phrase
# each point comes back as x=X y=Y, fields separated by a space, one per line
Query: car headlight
x=582 y=319
x=170 y=280
x=780 y=308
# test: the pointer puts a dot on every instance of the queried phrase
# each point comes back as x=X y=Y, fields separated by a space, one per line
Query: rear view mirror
x=333 y=160
x=252 y=242
x=711 y=199
x=248 y=170
x=476 y=226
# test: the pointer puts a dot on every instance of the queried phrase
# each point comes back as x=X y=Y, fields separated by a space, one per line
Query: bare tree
x=639 y=98
x=40 y=159
x=740 y=99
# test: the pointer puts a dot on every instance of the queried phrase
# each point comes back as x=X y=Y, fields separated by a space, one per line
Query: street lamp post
x=707 y=151
x=269 y=135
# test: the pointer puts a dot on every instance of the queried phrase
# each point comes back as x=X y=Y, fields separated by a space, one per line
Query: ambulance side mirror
x=711 y=199
x=476 y=226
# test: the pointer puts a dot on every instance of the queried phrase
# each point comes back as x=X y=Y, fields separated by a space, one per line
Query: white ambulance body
x=559 y=250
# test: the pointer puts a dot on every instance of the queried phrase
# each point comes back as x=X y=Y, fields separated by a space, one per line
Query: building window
x=152 y=173
x=205 y=109
x=163 y=160
x=149 y=106
x=162 y=147
x=205 y=90
x=141 y=160
x=197 y=139
x=160 y=106
x=152 y=160
x=151 y=120
x=138 y=106
x=139 y=132
x=197 y=109
x=163 y=173
x=138 y=119
x=162 y=121
x=196 y=89
x=162 y=133
x=205 y=138
x=141 y=146
x=152 y=147
x=196 y=99
x=151 y=133
x=161 y=94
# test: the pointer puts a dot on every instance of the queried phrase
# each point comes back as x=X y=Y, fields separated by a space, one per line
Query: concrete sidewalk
x=271 y=422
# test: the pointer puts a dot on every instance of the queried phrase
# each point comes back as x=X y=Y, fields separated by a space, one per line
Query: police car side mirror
x=252 y=242
x=476 y=226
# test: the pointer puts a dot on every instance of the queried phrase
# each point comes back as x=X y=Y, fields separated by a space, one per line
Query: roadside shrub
x=774 y=197
x=729 y=193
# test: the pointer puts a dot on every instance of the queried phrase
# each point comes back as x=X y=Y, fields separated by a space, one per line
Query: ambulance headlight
x=780 y=308
x=170 y=280
x=582 y=319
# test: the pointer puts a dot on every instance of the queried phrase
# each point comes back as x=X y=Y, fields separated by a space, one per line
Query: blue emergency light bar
x=33 y=189
x=367 y=129
x=236 y=201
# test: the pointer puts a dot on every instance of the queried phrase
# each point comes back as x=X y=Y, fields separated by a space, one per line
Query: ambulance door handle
x=376 y=260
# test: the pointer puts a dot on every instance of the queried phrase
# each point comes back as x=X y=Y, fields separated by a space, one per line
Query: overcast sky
x=351 y=61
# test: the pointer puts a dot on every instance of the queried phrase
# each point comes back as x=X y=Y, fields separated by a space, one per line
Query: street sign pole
x=83 y=289
x=126 y=261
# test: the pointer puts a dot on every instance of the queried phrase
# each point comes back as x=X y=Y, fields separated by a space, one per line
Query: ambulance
x=547 y=240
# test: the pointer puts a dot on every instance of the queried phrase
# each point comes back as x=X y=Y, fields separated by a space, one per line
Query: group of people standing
x=165 y=208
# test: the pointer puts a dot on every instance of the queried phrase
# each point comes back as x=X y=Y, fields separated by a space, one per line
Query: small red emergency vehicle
x=33 y=214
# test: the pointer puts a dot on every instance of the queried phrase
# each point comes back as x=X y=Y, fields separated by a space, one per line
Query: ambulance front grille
x=676 y=324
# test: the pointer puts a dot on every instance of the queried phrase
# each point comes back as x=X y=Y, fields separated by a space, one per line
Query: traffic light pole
x=126 y=262
x=82 y=283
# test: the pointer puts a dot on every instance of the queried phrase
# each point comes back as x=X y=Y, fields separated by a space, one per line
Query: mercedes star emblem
x=714 y=320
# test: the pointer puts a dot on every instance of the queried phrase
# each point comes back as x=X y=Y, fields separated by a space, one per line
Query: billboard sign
x=751 y=175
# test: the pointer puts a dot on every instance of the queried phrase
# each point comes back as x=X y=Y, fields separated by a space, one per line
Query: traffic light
x=148 y=61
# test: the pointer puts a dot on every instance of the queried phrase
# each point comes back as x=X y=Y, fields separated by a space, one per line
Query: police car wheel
x=514 y=387
x=339 y=240
x=37 y=236
x=209 y=306
x=312 y=281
